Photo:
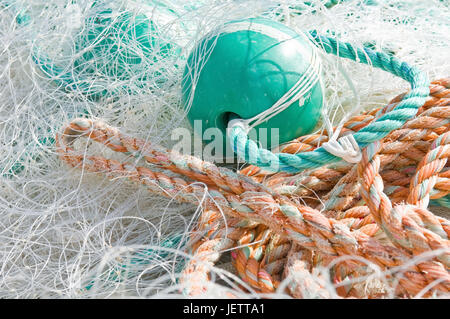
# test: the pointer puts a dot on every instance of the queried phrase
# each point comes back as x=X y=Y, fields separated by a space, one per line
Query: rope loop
x=345 y=147
x=382 y=126
x=277 y=241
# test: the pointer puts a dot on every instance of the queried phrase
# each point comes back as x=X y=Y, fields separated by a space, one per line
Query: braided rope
x=247 y=261
x=407 y=108
x=439 y=96
x=284 y=218
x=256 y=263
x=207 y=248
x=404 y=147
x=346 y=191
x=410 y=226
x=423 y=240
x=185 y=165
x=393 y=220
x=304 y=225
x=259 y=264
x=426 y=177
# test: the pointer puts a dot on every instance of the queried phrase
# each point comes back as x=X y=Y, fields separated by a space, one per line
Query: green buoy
x=114 y=49
x=244 y=70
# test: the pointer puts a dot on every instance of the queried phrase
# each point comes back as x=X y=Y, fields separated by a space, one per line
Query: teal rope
x=443 y=201
x=406 y=109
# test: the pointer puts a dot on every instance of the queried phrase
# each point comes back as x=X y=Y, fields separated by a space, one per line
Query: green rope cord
x=406 y=109
x=443 y=201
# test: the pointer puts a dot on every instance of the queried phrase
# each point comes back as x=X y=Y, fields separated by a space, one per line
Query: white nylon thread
x=345 y=147
x=62 y=229
x=299 y=90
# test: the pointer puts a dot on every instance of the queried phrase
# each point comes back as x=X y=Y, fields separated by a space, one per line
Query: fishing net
x=71 y=233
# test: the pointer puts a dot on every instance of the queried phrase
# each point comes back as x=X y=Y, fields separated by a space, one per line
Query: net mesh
x=69 y=233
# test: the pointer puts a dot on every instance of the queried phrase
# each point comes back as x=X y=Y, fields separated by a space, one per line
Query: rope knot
x=345 y=147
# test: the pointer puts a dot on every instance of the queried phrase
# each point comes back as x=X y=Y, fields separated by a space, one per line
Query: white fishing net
x=69 y=233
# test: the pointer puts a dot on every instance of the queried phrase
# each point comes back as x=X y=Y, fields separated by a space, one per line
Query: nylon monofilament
x=100 y=67
x=63 y=230
x=126 y=39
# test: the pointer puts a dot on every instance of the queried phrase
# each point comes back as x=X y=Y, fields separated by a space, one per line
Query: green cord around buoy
x=407 y=108
x=243 y=78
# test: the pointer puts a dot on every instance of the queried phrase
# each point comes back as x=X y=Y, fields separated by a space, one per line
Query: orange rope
x=274 y=214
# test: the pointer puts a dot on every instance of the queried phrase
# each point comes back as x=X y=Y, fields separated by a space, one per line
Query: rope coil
x=286 y=241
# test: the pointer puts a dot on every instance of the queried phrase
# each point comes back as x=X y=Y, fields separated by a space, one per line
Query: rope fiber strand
x=96 y=204
x=345 y=243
